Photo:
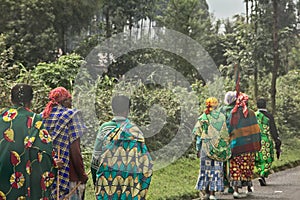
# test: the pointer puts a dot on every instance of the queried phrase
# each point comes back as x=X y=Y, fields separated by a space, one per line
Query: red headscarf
x=241 y=101
x=56 y=96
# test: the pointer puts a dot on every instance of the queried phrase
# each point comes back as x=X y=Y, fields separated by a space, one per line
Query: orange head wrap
x=211 y=104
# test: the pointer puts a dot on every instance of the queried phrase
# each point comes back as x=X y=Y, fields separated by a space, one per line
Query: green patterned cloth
x=125 y=165
x=265 y=157
x=26 y=163
x=212 y=130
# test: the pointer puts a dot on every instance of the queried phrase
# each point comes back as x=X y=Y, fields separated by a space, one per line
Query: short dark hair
x=21 y=94
x=261 y=103
x=120 y=104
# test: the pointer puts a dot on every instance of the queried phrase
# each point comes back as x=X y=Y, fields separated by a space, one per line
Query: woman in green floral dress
x=27 y=168
x=265 y=157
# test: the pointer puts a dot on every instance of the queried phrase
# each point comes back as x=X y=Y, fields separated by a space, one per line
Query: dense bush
x=156 y=109
x=288 y=104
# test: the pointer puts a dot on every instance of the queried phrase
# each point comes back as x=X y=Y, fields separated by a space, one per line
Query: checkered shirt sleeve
x=76 y=127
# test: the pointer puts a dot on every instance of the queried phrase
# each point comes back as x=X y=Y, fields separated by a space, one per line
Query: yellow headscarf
x=211 y=104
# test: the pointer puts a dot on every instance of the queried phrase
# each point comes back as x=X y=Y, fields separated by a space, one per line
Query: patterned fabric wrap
x=104 y=130
x=125 y=167
x=265 y=157
x=27 y=168
x=241 y=102
x=214 y=135
x=245 y=135
x=210 y=174
x=65 y=127
x=56 y=96
x=241 y=169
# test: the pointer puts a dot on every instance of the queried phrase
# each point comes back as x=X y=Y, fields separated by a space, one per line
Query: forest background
x=45 y=43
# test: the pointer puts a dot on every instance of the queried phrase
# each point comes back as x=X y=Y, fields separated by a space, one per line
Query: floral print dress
x=27 y=168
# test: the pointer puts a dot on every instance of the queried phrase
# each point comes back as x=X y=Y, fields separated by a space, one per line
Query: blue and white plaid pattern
x=210 y=174
x=65 y=127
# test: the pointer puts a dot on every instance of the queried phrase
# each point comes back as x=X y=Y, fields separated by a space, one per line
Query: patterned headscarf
x=230 y=97
x=56 y=96
x=241 y=101
x=211 y=104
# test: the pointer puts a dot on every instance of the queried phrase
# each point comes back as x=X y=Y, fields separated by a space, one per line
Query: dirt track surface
x=281 y=185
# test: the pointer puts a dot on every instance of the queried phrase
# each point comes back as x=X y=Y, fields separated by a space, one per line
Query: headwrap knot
x=211 y=104
x=241 y=101
x=56 y=96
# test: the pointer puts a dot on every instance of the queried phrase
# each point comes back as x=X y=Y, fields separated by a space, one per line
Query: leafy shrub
x=288 y=104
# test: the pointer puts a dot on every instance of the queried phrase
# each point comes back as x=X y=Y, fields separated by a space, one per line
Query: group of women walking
x=231 y=140
x=40 y=156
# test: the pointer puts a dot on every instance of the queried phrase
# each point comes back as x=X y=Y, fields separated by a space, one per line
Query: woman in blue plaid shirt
x=66 y=128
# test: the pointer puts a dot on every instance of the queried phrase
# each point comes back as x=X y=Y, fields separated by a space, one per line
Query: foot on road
x=262 y=181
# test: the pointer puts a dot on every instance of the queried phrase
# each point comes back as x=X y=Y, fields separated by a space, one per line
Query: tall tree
x=275 y=55
x=29 y=30
x=271 y=30
x=190 y=17
x=71 y=17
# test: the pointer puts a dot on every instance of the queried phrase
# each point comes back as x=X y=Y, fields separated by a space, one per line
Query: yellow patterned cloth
x=125 y=167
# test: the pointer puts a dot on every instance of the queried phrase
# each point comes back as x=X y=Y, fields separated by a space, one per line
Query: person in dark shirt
x=269 y=135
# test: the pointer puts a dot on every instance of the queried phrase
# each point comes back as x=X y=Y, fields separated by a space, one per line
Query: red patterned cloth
x=241 y=169
x=241 y=101
x=56 y=96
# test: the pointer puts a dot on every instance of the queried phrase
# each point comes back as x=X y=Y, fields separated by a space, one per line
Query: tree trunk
x=107 y=27
x=63 y=40
x=247 y=11
x=254 y=9
x=255 y=82
x=275 y=55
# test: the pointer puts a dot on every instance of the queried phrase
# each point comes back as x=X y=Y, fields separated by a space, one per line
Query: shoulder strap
x=117 y=129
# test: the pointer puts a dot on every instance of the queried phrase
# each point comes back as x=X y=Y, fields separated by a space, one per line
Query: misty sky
x=226 y=8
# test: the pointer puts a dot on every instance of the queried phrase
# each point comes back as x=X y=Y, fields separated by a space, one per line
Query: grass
x=177 y=180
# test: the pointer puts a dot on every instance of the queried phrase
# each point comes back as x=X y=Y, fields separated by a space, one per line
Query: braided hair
x=21 y=94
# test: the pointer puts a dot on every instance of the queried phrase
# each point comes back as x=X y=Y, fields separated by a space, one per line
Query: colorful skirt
x=210 y=174
x=241 y=169
x=265 y=157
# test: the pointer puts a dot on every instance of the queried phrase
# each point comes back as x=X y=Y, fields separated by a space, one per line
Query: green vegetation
x=44 y=43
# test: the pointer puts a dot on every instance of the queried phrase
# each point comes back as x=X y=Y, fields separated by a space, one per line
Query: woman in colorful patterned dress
x=27 y=168
x=124 y=165
x=210 y=130
x=66 y=127
x=265 y=157
x=245 y=142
